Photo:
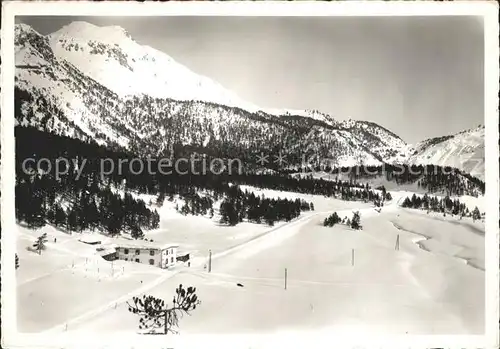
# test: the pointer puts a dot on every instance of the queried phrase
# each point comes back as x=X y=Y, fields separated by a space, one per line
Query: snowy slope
x=57 y=95
x=380 y=140
x=464 y=150
x=105 y=53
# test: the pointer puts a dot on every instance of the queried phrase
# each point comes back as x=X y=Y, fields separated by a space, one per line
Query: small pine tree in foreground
x=157 y=317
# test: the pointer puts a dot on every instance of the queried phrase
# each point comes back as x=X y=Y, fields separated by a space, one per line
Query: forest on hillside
x=85 y=197
x=431 y=178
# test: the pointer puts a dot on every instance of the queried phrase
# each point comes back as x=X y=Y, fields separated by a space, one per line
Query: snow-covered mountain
x=464 y=150
x=112 y=58
x=103 y=53
x=91 y=82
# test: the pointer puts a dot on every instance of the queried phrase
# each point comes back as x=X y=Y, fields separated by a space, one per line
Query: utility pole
x=165 y=328
x=352 y=257
x=286 y=276
x=209 y=261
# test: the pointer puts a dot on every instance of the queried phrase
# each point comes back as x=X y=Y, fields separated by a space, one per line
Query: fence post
x=209 y=261
x=397 y=243
x=352 y=257
x=286 y=277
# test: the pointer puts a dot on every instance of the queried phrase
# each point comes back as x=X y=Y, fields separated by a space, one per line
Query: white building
x=160 y=255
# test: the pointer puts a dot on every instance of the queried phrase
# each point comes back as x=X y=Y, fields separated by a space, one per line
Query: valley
x=254 y=240
x=324 y=290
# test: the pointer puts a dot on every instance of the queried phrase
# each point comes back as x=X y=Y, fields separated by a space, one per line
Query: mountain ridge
x=76 y=80
x=464 y=150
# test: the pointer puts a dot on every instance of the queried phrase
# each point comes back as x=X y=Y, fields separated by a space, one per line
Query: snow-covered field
x=69 y=274
x=418 y=289
x=197 y=234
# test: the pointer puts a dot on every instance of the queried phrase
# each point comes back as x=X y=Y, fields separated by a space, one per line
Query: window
x=137 y=260
x=172 y=260
x=152 y=252
x=167 y=252
x=125 y=251
x=152 y=261
x=137 y=252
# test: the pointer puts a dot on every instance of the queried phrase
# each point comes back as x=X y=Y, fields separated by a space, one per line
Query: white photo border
x=488 y=10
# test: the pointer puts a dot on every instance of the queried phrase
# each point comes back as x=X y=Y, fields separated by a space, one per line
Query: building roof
x=90 y=238
x=145 y=245
x=106 y=251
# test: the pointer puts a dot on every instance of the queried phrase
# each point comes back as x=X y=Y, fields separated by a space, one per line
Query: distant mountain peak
x=105 y=53
x=22 y=27
x=22 y=32
x=89 y=31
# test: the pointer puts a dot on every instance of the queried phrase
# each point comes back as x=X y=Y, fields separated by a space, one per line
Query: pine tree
x=155 y=220
x=336 y=218
x=407 y=203
x=91 y=213
x=356 y=221
x=72 y=220
x=476 y=215
x=136 y=231
x=185 y=209
x=160 y=199
x=270 y=221
x=114 y=226
x=228 y=212
x=157 y=317
x=39 y=244
x=384 y=192
x=326 y=222
x=17 y=261
x=331 y=220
